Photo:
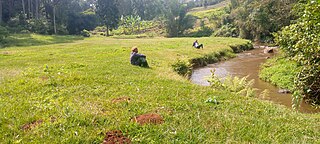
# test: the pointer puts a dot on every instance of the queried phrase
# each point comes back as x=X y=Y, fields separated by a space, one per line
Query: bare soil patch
x=115 y=137
x=32 y=125
x=44 y=78
x=148 y=119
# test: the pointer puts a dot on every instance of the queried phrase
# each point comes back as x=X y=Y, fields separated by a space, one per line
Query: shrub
x=182 y=68
x=41 y=26
x=227 y=30
x=300 y=42
x=85 y=33
x=3 y=33
x=202 y=32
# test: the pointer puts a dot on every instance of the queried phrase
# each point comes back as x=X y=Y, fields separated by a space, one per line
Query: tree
x=108 y=13
x=301 y=42
x=0 y=11
x=78 y=22
x=176 y=20
x=258 y=19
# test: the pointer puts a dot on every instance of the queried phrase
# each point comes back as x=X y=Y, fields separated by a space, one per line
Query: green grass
x=280 y=72
x=70 y=86
x=208 y=18
x=210 y=13
x=34 y=40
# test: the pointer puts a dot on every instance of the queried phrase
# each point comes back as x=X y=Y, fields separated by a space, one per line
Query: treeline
x=256 y=19
x=47 y=16
x=74 y=16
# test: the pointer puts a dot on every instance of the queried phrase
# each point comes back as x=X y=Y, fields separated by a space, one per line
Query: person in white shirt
x=197 y=45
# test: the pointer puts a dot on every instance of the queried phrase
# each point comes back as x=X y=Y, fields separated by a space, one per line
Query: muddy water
x=247 y=64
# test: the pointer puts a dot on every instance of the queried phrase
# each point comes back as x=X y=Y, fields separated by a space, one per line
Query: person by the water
x=138 y=59
x=197 y=45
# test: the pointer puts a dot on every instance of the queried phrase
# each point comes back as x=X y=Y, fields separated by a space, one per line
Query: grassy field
x=63 y=93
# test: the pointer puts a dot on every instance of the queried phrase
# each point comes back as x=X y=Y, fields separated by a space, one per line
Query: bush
x=182 y=68
x=3 y=33
x=227 y=30
x=85 y=33
x=300 y=42
x=203 y=32
x=41 y=26
x=241 y=48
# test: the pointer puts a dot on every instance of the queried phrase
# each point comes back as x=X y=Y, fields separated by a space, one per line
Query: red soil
x=148 y=119
x=32 y=125
x=115 y=137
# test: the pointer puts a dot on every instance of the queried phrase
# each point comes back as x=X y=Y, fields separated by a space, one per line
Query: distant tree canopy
x=73 y=16
x=250 y=19
x=258 y=19
x=44 y=16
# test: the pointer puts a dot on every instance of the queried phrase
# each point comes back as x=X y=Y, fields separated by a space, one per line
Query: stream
x=247 y=64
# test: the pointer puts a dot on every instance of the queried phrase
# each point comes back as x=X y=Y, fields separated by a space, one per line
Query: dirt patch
x=115 y=137
x=53 y=119
x=121 y=99
x=148 y=119
x=5 y=53
x=44 y=78
x=32 y=125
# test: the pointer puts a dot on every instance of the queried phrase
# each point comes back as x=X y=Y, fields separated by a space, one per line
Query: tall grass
x=65 y=93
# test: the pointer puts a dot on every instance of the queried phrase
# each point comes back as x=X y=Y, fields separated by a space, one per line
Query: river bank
x=248 y=64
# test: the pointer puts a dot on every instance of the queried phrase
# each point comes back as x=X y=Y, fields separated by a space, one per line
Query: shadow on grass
x=35 y=40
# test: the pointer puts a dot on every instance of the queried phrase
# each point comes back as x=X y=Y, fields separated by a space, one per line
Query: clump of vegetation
x=85 y=33
x=300 y=42
x=241 y=48
x=182 y=68
x=236 y=85
x=280 y=72
x=255 y=19
x=3 y=34
x=227 y=30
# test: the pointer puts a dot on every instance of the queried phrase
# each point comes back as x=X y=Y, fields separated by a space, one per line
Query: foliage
x=202 y=32
x=130 y=23
x=228 y=30
x=42 y=16
x=78 y=22
x=257 y=19
x=301 y=42
x=236 y=85
x=176 y=19
x=280 y=72
x=85 y=33
x=206 y=21
x=108 y=13
x=40 y=26
x=182 y=68
x=3 y=33
x=241 y=48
